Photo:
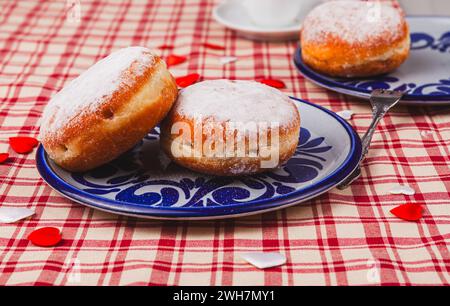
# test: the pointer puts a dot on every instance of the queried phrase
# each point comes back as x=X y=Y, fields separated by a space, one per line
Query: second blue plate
x=425 y=76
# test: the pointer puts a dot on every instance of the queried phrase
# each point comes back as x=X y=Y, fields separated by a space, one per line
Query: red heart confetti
x=45 y=236
x=23 y=145
x=213 y=46
x=173 y=60
x=3 y=157
x=187 y=80
x=409 y=212
x=273 y=83
x=166 y=47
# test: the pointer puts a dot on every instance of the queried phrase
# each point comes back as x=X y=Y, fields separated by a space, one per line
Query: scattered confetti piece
x=273 y=83
x=264 y=260
x=45 y=236
x=14 y=214
x=3 y=157
x=409 y=212
x=166 y=47
x=346 y=114
x=426 y=133
x=402 y=189
x=213 y=46
x=173 y=60
x=23 y=145
x=224 y=60
x=187 y=80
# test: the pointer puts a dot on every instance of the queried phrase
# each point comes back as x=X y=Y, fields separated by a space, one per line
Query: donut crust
x=93 y=139
x=336 y=57
x=233 y=163
x=228 y=166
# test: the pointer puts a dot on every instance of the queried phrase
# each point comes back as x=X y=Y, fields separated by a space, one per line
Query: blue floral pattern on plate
x=143 y=182
x=424 y=77
x=126 y=176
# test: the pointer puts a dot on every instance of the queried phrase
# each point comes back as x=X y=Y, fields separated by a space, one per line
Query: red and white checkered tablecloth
x=341 y=238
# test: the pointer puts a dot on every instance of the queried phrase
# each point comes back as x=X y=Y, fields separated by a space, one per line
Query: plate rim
x=326 y=82
x=254 y=30
x=233 y=210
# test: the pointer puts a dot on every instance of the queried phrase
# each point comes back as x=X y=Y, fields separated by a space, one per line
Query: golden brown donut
x=107 y=109
x=354 y=39
x=231 y=128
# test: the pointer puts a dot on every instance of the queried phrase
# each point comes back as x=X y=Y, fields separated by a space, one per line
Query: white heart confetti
x=346 y=114
x=263 y=260
x=227 y=59
x=426 y=133
x=402 y=189
x=14 y=214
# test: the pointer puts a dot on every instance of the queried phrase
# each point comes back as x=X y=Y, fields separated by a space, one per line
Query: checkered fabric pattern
x=341 y=238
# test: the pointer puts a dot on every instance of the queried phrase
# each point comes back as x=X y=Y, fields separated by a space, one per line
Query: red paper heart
x=187 y=80
x=3 y=157
x=173 y=60
x=273 y=83
x=23 y=145
x=45 y=236
x=409 y=212
x=213 y=46
x=166 y=47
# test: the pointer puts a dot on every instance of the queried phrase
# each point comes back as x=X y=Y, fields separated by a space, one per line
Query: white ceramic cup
x=278 y=13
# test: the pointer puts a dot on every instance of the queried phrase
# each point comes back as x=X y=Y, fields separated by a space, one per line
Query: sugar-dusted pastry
x=231 y=128
x=107 y=109
x=354 y=38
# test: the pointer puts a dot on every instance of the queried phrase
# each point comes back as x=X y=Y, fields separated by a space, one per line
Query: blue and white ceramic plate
x=425 y=76
x=143 y=182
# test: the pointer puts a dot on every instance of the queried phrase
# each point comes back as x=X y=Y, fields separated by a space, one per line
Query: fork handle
x=382 y=101
x=377 y=114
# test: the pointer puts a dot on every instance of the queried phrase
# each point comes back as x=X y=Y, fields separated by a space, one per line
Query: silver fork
x=382 y=101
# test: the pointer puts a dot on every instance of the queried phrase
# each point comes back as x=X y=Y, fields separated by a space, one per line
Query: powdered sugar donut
x=229 y=128
x=354 y=38
x=107 y=109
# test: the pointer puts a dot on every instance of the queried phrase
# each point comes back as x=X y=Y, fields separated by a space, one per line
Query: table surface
x=341 y=238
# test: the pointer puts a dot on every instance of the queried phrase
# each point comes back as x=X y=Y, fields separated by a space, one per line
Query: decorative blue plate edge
x=327 y=82
x=232 y=210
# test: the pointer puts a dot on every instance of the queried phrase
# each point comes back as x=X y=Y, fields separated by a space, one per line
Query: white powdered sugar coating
x=236 y=101
x=352 y=21
x=91 y=89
